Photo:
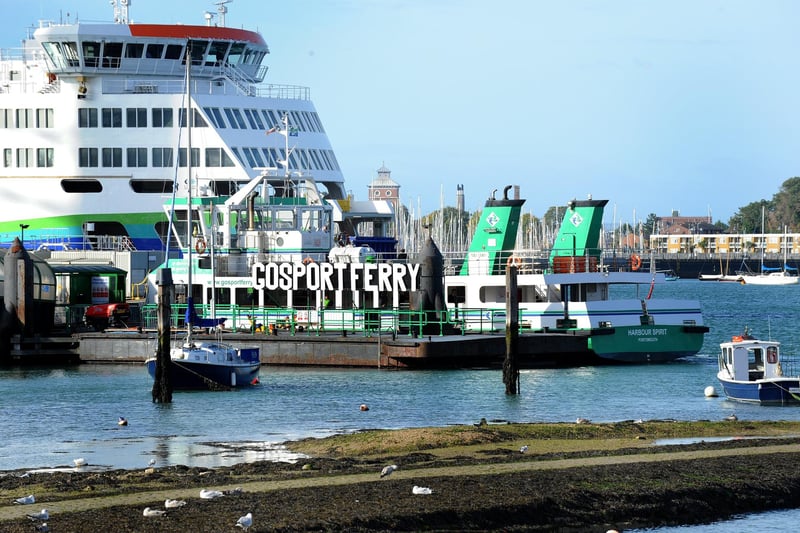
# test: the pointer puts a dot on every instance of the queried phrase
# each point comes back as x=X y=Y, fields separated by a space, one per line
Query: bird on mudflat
x=42 y=528
x=388 y=470
x=42 y=515
x=731 y=418
x=421 y=490
x=79 y=462
x=26 y=500
x=523 y=449
x=174 y=504
x=153 y=512
x=208 y=494
x=245 y=521
x=233 y=492
x=581 y=420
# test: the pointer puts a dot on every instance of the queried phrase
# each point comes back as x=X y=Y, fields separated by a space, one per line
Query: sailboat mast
x=189 y=186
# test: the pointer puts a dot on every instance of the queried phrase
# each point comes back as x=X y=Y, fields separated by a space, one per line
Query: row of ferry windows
x=163 y=117
x=164 y=157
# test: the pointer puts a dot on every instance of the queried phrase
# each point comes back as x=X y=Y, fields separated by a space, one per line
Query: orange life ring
x=514 y=260
x=200 y=245
x=636 y=262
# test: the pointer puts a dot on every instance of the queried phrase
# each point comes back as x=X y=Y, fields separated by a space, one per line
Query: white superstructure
x=90 y=115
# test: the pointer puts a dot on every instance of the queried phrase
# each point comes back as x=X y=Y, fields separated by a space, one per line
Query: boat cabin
x=748 y=359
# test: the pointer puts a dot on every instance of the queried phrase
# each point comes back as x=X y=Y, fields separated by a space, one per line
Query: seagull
x=524 y=449
x=233 y=492
x=245 y=521
x=174 y=504
x=583 y=421
x=43 y=515
x=388 y=470
x=421 y=490
x=122 y=421
x=208 y=494
x=153 y=512
x=731 y=418
x=26 y=500
x=43 y=528
x=152 y=462
x=79 y=462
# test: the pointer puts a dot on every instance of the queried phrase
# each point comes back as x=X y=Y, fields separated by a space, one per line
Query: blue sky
x=688 y=105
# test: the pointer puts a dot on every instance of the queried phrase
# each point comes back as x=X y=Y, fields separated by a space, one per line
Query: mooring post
x=510 y=365
x=162 y=384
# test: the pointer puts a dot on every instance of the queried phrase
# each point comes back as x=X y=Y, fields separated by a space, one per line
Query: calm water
x=49 y=416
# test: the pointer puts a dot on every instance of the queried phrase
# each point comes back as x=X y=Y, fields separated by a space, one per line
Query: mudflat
x=487 y=476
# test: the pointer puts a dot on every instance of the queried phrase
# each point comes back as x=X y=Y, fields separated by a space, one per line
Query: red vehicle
x=101 y=316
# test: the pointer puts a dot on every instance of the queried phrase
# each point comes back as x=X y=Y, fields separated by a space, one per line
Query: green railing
x=300 y=321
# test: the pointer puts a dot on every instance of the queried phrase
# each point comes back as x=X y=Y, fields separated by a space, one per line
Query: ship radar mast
x=221 y=11
x=121 y=11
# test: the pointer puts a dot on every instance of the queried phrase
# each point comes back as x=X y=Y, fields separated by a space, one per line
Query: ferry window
x=87 y=157
x=297 y=121
x=151 y=186
x=112 y=52
x=87 y=117
x=217 y=157
x=270 y=121
x=246 y=296
x=182 y=157
x=81 y=185
x=162 y=117
x=198 y=51
x=44 y=157
x=334 y=162
x=254 y=119
x=154 y=51
x=137 y=157
x=71 y=53
x=284 y=219
x=235 y=55
x=44 y=118
x=216 y=117
x=493 y=293
x=25 y=157
x=315 y=160
x=54 y=52
x=112 y=157
x=112 y=117
x=197 y=119
x=137 y=117
x=162 y=157
x=134 y=50
x=174 y=51
x=303 y=155
x=268 y=157
x=91 y=53
x=6 y=118
x=217 y=50
x=235 y=152
x=7 y=157
x=24 y=118
x=235 y=118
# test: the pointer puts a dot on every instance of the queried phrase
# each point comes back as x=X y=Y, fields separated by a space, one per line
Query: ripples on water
x=51 y=415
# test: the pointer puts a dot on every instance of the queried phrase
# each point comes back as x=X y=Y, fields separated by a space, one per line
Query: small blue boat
x=210 y=365
x=750 y=370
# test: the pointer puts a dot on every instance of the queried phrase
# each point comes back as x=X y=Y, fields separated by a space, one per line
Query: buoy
x=364 y=407
x=255 y=381
x=710 y=392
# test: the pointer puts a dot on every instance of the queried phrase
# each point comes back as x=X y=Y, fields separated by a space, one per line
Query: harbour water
x=51 y=415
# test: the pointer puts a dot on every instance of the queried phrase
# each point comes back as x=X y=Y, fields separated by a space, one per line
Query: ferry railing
x=309 y=321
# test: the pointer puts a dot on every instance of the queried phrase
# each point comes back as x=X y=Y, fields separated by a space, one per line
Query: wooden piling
x=510 y=364
x=162 y=384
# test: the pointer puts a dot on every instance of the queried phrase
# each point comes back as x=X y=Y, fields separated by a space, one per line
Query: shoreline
x=573 y=477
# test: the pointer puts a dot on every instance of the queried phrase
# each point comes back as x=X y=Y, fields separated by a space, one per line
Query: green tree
x=786 y=207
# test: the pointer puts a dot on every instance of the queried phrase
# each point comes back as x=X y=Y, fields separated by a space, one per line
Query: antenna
x=121 y=11
x=222 y=10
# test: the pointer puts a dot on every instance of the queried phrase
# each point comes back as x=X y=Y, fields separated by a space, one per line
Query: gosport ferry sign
x=388 y=277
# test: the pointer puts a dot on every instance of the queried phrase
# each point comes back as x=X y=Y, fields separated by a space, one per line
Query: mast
x=189 y=299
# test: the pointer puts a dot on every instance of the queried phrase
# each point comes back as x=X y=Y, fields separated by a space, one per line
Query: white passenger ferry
x=91 y=115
